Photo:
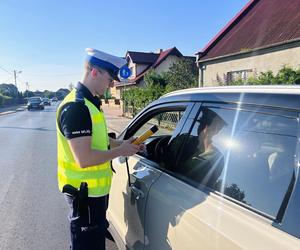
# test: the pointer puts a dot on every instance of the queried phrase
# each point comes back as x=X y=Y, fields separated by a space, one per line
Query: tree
x=48 y=94
x=28 y=94
x=234 y=191
x=152 y=78
x=61 y=93
x=4 y=100
x=9 y=90
x=181 y=75
x=137 y=98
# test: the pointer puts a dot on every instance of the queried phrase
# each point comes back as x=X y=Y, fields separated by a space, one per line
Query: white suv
x=222 y=172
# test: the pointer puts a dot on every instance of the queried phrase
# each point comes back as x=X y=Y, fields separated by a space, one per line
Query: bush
x=285 y=76
x=5 y=100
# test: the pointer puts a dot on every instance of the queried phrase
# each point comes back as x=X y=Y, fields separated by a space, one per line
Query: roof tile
x=261 y=23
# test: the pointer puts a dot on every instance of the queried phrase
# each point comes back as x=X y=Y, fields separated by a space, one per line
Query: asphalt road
x=32 y=210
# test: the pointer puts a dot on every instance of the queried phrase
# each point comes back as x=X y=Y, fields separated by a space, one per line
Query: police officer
x=83 y=149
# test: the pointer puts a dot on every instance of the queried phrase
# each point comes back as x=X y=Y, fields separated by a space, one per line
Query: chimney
x=159 y=51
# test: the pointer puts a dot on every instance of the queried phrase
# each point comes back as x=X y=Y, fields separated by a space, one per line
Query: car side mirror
x=112 y=135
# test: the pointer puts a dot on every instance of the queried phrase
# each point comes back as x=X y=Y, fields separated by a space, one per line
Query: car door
x=128 y=197
x=243 y=205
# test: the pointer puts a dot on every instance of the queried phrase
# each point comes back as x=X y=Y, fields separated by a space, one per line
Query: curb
x=7 y=112
x=12 y=111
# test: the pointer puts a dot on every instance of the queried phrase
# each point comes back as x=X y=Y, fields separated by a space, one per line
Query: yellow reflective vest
x=98 y=177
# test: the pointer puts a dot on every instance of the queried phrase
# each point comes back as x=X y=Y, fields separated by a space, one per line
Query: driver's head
x=210 y=123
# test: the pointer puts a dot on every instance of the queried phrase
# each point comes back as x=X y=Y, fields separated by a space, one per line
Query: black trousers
x=88 y=232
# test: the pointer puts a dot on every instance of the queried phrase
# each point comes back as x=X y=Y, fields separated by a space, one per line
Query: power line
x=5 y=70
x=47 y=75
x=8 y=79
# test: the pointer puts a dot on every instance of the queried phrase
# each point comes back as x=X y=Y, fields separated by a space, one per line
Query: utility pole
x=27 y=88
x=15 y=76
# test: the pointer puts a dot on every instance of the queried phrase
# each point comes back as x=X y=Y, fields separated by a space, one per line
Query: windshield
x=35 y=100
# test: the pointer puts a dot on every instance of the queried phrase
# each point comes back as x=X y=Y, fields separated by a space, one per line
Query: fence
x=165 y=120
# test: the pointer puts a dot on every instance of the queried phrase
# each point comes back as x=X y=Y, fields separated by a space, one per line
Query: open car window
x=165 y=121
x=169 y=122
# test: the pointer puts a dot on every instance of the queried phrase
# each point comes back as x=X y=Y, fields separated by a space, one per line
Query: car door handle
x=138 y=194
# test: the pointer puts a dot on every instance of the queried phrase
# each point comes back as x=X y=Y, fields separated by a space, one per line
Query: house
x=264 y=35
x=141 y=62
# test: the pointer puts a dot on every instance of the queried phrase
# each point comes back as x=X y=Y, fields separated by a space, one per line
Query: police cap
x=110 y=63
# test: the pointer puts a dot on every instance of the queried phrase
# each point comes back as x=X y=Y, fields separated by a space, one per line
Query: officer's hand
x=128 y=149
x=142 y=147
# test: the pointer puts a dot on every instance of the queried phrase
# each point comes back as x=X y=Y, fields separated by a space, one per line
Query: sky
x=45 y=41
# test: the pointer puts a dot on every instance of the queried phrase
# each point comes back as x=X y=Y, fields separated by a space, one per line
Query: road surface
x=32 y=211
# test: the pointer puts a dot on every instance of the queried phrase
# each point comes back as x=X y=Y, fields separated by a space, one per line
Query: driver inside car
x=207 y=162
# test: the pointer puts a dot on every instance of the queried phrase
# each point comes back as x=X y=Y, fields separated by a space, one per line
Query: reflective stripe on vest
x=97 y=177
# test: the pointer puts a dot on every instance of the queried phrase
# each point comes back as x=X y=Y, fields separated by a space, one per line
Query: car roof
x=271 y=89
x=286 y=96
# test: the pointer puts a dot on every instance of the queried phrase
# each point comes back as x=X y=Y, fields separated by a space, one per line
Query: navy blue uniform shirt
x=74 y=119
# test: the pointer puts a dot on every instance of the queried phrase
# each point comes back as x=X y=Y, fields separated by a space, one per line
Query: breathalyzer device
x=145 y=136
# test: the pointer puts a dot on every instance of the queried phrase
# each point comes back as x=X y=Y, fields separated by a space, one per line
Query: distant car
x=35 y=103
x=46 y=101
x=54 y=99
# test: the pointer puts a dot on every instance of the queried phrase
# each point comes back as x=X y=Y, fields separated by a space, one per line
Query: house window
x=238 y=75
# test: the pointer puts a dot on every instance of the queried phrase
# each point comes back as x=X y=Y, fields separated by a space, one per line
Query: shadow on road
x=22 y=128
x=45 y=110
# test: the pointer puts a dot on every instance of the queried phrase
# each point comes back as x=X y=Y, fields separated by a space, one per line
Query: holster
x=80 y=199
x=83 y=201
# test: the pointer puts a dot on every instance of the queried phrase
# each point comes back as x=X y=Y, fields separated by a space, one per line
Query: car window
x=167 y=122
x=247 y=156
x=35 y=99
